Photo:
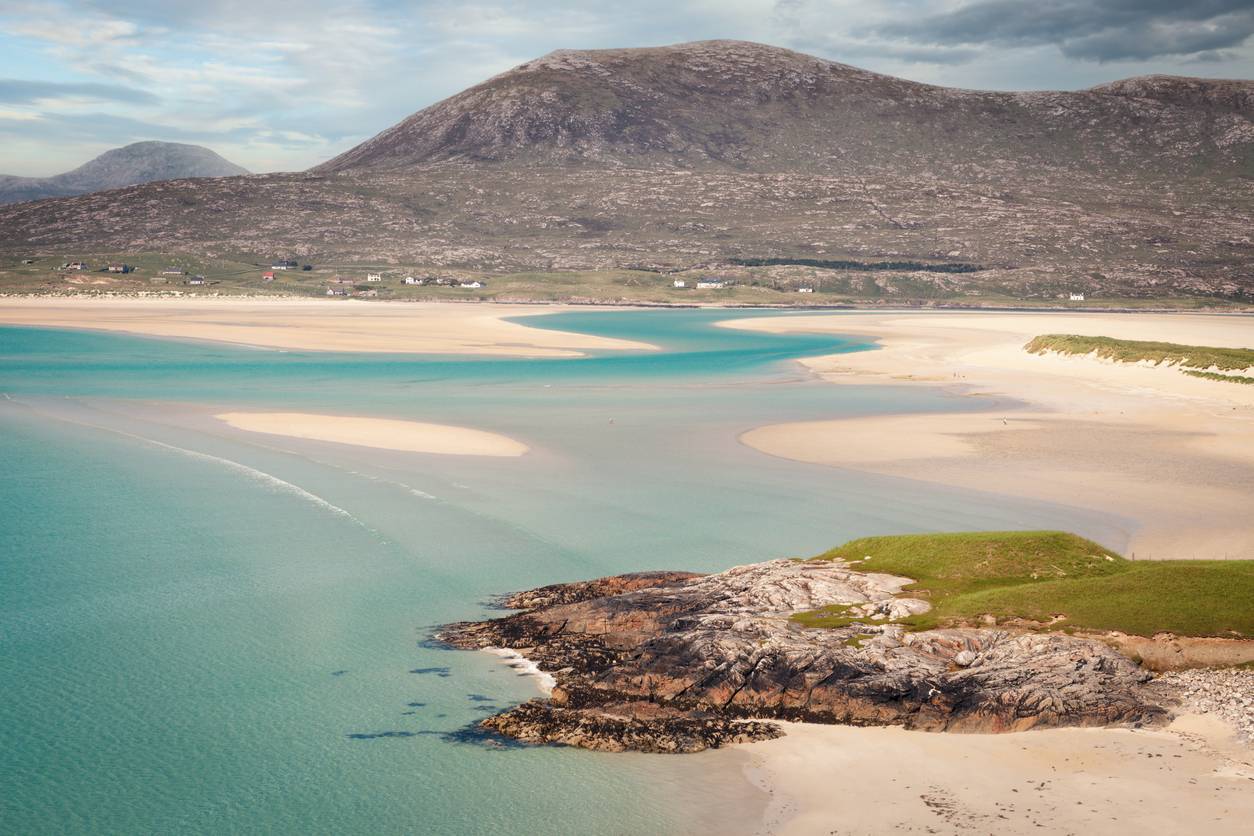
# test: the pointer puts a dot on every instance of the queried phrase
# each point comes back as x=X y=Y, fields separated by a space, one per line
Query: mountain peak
x=139 y=162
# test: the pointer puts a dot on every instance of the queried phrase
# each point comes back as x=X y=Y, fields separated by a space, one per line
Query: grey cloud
x=21 y=91
x=1097 y=30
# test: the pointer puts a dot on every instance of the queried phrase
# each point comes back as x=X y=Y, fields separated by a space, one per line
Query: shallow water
x=204 y=630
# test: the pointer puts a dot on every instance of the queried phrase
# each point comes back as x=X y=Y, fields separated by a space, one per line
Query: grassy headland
x=1196 y=360
x=1051 y=577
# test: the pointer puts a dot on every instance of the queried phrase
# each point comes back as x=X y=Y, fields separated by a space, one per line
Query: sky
x=280 y=85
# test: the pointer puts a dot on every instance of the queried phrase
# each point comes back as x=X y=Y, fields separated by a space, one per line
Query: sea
x=204 y=630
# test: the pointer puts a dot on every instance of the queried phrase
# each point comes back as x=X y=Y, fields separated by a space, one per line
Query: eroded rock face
x=671 y=662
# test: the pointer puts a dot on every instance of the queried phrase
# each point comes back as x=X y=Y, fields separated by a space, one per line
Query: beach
x=316 y=325
x=377 y=433
x=1171 y=453
x=1190 y=777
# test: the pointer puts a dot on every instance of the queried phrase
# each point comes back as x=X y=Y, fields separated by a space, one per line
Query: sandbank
x=1191 y=778
x=1173 y=453
x=378 y=433
x=313 y=325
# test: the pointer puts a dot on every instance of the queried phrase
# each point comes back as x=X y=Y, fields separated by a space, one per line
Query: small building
x=413 y=280
x=805 y=290
x=195 y=280
x=173 y=271
x=267 y=276
x=74 y=265
x=342 y=280
x=336 y=291
x=284 y=264
x=472 y=285
x=28 y=261
x=1077 y=297
x=119 y=268
x=367 y=292
x=374 y=277
x=711 y=284
x=679 y=283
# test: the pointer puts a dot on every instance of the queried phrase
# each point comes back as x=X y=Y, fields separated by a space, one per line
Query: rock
x=676 y=662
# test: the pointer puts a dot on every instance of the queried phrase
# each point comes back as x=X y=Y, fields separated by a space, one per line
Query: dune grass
x=1051 y=577
x=1192 y=359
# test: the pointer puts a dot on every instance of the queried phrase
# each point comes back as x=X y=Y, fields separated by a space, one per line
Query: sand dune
x=313 y=325
x=1173 y=453
x=378 y=433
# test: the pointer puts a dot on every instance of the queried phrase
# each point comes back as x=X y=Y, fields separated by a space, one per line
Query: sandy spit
x=378 y=433
x=313 y=325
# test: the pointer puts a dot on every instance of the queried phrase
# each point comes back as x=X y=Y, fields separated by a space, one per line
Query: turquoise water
x=203 y=630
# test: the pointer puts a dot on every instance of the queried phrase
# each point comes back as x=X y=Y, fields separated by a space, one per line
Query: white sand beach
x=1171 y=452
x=1190 y=778
x=377 y=433
x=314 y=325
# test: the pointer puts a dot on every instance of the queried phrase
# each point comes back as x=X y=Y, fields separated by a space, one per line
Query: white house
x=711 y=284
x=472 y=285
x=1077 y=297
x=374 y=277
x=680 y=283
x=805 y=290
x=412 y=280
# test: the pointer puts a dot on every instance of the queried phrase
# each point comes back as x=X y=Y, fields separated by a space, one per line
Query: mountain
x=139 y=162
x=760 y=108
x=718 y=153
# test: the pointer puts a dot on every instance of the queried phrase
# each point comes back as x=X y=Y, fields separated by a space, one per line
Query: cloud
x=1094 y=30
x=22 y=91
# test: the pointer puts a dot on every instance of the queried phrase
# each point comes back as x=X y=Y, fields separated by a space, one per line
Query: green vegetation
x=834 y=284
x=1193 y=359
x=1051 y=577
x=1231 y=378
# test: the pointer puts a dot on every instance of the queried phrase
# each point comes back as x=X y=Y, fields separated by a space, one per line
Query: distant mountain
x=139 y=162
x=722 y=154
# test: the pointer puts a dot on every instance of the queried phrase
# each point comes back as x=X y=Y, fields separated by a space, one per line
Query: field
x=773 y=284
x=1055 y=579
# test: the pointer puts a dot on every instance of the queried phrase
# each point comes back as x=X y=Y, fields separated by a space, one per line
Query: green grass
x=1193 y=359
x=1051 y=576
x=1230 y=378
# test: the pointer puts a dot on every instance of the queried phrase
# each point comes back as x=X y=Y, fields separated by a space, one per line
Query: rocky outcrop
x=681 y=663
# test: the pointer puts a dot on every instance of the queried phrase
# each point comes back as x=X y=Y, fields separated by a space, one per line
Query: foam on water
x=525 y=666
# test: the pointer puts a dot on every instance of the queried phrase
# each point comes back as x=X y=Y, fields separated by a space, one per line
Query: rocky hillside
x=140 y=162
x=702 y=155
x=762 y=108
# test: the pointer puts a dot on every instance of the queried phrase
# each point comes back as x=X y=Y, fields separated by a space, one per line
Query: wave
x=260 y=476
x=525 y=667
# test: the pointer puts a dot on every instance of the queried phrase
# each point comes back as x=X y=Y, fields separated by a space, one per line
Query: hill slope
x=139 y=162
x=768 y=109
x=698 y=155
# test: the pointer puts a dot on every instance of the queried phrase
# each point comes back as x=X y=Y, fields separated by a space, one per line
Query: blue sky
x=283 y=84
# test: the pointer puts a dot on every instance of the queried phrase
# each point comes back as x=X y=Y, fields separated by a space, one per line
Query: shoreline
x=315 y=325
x=1171 y=452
